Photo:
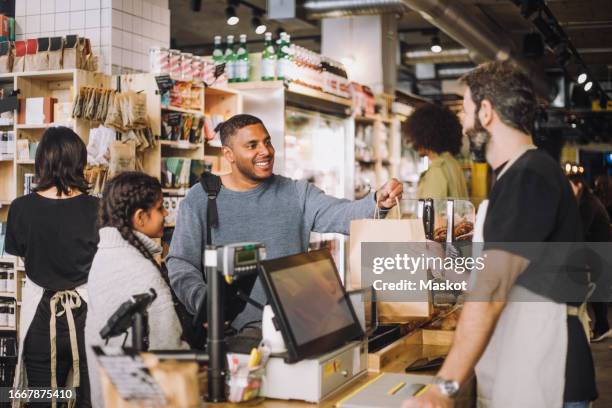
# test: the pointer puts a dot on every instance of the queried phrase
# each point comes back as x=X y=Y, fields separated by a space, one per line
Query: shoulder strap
x=212 y=185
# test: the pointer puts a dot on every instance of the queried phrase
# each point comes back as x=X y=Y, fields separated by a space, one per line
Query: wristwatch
x=448 y=388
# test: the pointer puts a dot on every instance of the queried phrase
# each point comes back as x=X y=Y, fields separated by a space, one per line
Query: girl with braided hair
x=131 y=216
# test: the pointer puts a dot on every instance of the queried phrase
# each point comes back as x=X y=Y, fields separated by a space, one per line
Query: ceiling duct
x=318 y=9
x=450 y=16
x=457 y=21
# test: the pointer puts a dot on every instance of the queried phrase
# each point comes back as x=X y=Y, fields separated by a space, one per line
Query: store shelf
x=25 y=161
x=56 y=75
x=5 y=202
x=303 y=90
x=293 y=88
x=180 y=144
x=175 y=191
x=217 y=90
x=169 y=225
x=181 y=110
x=8 y=259
x=6 y=159
x=365 y=119
x=8 y=294
x=256 y=85
x=7 y=328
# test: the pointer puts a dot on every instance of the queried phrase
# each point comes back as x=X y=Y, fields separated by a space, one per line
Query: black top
x=533 y=202
x=595 y=220
x=57 y=237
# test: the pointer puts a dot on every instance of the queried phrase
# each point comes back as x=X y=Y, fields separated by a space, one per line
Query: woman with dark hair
x=54 y=230
x=596 y=227
x=131 y=217
x=435 y=132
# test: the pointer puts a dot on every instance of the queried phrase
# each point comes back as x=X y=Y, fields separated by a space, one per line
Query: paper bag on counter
x=178 y=381
x=390 y=229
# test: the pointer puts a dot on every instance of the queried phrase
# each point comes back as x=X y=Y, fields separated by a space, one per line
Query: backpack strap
x=211 y=184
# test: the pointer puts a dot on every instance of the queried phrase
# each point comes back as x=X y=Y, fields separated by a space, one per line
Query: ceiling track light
x=230 y=15
x=582 y=78
x=435 y=44
x=257 y=23
x=588 y=86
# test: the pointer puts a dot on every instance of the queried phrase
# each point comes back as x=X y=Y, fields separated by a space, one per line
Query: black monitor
x=312 y=309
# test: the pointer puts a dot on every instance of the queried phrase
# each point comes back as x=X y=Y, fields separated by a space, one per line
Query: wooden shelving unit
x=384 y=145
x=61 y=85
x=214 y=101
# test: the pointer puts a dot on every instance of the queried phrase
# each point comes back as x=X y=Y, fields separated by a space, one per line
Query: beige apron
x=523 y=365
x=31 y=295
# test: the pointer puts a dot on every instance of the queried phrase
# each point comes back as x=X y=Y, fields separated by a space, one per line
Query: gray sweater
x=117 y=273
x=280 y=213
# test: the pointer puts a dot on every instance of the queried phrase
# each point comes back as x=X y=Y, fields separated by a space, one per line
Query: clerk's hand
x=432 y=398
x=386 y=195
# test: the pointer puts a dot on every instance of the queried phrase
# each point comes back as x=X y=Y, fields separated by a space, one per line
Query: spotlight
x=588 y=86
x=258 y=25
x=435 y=44
x=230 y=14
x=582 y=78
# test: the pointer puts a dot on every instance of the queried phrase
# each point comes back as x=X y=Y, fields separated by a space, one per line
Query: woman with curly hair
x=435 y=132
x=131 y=216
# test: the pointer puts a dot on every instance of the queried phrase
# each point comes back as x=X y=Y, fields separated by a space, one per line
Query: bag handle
x=377 y=210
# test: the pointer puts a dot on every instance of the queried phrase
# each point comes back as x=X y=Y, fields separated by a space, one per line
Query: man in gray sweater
x=256 y=205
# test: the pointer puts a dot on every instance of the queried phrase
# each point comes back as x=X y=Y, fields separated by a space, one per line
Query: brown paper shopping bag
x=390 y=229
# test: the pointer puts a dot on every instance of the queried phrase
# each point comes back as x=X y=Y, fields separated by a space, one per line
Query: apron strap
x=68 y=299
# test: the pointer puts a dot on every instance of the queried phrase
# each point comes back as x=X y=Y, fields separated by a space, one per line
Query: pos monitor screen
x=311 y=307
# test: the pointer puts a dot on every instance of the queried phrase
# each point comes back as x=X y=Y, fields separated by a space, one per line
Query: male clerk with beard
x=256 y=205
x=526 y=345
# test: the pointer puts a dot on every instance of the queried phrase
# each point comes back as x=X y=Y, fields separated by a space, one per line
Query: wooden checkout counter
x=393 y=359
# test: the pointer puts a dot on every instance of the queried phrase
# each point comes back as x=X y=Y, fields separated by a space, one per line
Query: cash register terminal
x=325 y=342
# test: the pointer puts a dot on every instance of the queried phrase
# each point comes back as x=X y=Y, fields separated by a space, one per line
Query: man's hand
x=431 y=398
x=387 y=194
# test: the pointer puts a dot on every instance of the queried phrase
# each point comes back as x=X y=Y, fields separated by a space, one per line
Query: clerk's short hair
x=508 y=89
x=229 y=128
x=436 y=128
x=60 y=162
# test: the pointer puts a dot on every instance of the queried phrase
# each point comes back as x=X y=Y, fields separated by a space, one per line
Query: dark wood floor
x=602 y=354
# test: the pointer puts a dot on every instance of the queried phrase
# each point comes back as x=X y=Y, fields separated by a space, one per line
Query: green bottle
x=242 y=60
x=268 y=60
x=230 y=59
x=283 y=65
x=218 y=51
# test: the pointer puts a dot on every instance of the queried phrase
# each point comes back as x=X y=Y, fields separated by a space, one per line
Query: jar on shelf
x=3 y=279
x=186 y=69
x=159 y=60
x=10 y=282
x=174 y=62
